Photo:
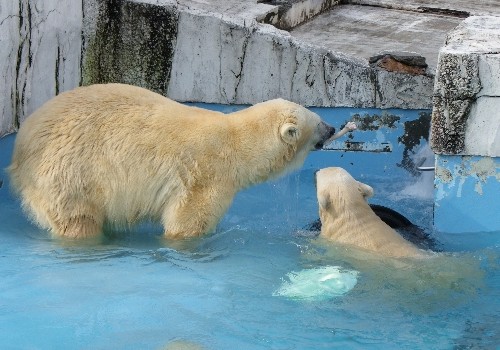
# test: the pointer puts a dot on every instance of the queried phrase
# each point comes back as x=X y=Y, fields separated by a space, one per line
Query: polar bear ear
x=290 y=133
x=324 y=200
x=366 y=191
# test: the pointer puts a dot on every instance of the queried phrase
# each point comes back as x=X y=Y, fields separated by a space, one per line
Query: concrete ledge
x=221 y=60
x=467 y=90
x=291 y=13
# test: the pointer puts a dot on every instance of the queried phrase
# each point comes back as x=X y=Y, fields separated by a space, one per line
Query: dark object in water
x=401 y=224
x=390 y=217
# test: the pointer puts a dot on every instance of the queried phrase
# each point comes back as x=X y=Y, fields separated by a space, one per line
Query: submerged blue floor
x=134 y=291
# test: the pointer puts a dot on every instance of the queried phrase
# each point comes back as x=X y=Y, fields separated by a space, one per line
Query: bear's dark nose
x=330 y=131
x=326 y=131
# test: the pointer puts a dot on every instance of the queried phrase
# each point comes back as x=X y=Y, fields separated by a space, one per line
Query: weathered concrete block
x=9 y=42
x=228 y=61
x=39 y=55
x=467 y=83
x=403 y=90
x=349 y=82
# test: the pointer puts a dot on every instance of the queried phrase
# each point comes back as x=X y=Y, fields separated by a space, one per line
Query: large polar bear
x=346 y=217
x=118 y=153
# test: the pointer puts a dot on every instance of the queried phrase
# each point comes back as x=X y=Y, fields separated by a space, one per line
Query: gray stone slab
x=364 y=31
x=40 y=48
x=248 y=10
x=449 y=7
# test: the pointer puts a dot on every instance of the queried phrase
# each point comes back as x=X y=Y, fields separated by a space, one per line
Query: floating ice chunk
x=320 y=283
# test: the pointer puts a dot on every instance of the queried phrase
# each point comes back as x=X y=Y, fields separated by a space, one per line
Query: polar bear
x=346 y=217
x=118 y=154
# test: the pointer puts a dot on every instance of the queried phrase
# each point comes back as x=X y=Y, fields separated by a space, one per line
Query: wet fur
x=346 y=217
x=119 y=154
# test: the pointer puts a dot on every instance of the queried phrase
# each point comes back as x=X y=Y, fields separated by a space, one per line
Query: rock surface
x=467 y=90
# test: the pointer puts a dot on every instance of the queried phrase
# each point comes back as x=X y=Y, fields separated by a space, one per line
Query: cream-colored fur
x=118 y=153
x=346 y=216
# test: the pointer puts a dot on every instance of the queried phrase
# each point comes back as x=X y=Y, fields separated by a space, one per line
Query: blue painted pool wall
x=467 y=194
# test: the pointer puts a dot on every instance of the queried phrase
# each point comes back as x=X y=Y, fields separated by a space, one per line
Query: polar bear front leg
x=74 y=219
x=196 y=215
x=77 y=227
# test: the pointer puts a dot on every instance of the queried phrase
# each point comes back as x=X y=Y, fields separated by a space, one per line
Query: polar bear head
x=339 y=194
x=282 y=133
x=300 y=127
x=347 y=218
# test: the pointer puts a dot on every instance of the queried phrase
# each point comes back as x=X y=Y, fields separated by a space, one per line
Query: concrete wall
x=40 y=53
x=466 y=128
x=187 y=53
x=129 y=42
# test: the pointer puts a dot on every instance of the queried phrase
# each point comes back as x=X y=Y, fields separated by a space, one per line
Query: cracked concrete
x=40 y=55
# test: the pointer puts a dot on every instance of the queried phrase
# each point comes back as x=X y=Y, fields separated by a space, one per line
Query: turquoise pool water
x=134 y=291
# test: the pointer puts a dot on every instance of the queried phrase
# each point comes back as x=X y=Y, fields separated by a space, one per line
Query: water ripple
x=94 y=255
x=183 y=258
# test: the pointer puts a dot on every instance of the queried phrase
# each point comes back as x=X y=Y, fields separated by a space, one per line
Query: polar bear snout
x=325 y=132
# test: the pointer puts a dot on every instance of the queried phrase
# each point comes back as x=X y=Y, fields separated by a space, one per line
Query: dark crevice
x=242 y=61
x=58 y=62
x=420 y=9
x=444 y=12
x=17 y=103
x=82 y=44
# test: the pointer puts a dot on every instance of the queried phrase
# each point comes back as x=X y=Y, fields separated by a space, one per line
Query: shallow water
x=132 y=290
